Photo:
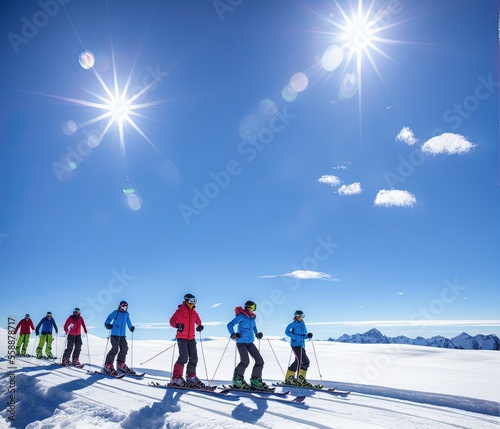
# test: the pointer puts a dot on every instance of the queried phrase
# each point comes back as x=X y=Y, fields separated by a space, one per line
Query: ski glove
x=235 y=335
x=309 y=335
x=132 y=329
x=36 y=332
x=199 y=328
x=259 y=335
x=180 y=327
x=108 y=325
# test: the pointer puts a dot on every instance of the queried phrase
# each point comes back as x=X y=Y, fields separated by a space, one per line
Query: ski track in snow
x=51 y=396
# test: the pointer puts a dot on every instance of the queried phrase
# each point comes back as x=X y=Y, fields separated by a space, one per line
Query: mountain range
x=463 y=341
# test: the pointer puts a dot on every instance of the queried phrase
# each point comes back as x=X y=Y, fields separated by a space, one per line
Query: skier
x=73 y=328
x=47 y=323
x=26 y=325
x=117 y=322
x=247 y=331
x=184 y=319
x=297 y=331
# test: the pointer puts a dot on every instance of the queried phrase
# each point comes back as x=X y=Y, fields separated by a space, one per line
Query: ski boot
x=240 y=383
x=257 y=384
x=194 y=381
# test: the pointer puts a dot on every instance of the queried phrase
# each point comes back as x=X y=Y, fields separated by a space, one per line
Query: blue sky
x=281 y=151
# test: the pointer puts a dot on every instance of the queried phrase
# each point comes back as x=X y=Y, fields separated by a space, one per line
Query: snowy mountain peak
x=462 y=341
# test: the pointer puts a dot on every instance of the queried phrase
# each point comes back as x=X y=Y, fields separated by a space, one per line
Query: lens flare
x=332 y=58
x=86 y=60
x=299 y=82
x=132 y=199
x=288 y=93
x=267 y=109
x=348 y=86
x=69 y=127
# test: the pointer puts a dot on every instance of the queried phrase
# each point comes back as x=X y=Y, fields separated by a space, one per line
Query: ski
x=265 y=392
x=133 y=374
x=332 y=390
x=80 y=366
x=206 y=389
x=106 y=375
x=270 y=396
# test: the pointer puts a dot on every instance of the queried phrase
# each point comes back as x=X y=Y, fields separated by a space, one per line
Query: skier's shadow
x=154 y=416
x=247 y=414
x=39 y=404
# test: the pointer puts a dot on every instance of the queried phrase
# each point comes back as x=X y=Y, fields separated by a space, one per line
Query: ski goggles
x=300 y=316
x=191 y=301
x=124 y=306
x=252 y=307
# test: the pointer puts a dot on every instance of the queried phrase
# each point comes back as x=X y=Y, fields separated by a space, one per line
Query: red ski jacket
x=25 y=326
x=74 y=325
x=188 y=317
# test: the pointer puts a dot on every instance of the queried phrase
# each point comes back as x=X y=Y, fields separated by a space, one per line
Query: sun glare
x=358 y=35
x=119 y=109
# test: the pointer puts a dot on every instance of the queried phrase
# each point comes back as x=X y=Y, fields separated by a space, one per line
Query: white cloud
x=303 y=275
x=345 y=166
x=394 y=198
x=447 y=143
x=406 y=136
x=217 y=304
x=352 y=189
x=329 y=180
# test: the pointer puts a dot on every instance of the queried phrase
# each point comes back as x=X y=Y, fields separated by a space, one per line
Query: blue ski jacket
x=297 y=331
x=120 y=321
x=46 y=325
x=247 y=327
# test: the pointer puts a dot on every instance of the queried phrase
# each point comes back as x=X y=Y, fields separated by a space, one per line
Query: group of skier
x=186 y=317
x=186 y=320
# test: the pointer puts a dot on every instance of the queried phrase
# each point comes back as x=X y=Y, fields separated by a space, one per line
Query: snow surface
x=393 y=386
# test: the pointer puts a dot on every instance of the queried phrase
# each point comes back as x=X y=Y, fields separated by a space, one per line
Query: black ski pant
x=119 y=346
x=300 y=355
x=73 y=341
x=246 y=349
x=188 y=354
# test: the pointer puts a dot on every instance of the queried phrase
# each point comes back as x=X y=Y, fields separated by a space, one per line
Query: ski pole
x=296 y=358
x=88 y=346
x=105 y=349
x=34 y=344
x=203 y=355
x=132 y=352
x=235 y=349
x=172 y=362
x=317 y=363
x=168 y=348
x=65 y=346
x=299 y=365
x=225 y=348
x=276 y=357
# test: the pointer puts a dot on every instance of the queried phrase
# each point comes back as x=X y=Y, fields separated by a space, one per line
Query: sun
x=361 y=33
x=119 y=109
x=113 y=103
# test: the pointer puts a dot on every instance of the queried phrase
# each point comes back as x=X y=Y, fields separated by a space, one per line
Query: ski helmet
x=299 y=313
x=190 y=298
x=123 y=305
x=251 y=304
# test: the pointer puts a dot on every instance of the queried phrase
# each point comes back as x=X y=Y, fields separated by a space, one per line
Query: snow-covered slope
x=394 y=386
